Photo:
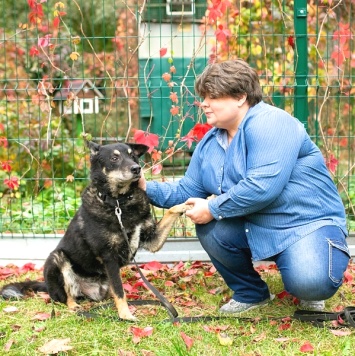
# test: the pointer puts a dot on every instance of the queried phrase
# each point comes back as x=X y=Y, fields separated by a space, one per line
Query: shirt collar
x=221 y=134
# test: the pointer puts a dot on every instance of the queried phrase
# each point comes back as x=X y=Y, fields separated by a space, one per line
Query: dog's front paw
x=126 y=315
x=180 y=209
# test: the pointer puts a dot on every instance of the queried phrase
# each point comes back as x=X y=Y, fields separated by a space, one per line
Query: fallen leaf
x=260 y=337
x=8 y=345
x=285 y=326
x=224 y=339
x=41 y=316
x=341 y=332
x=10 y=309
x=55 y=346
x=187 y=340
x=138 y=333
x=282 y=339
x=307 y=347
x=125 y=353
x=15 y=327
x=39 y=329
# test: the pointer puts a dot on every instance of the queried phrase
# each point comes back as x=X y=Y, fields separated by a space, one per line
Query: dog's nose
x=136 y=169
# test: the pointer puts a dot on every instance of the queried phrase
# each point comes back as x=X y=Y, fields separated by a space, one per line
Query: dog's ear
x=94 y=147
x=138 y=148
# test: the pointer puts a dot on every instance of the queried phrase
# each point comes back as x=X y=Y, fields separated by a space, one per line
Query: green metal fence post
x=301 y=61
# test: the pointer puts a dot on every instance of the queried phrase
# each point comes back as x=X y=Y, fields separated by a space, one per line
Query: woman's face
x=225 y=113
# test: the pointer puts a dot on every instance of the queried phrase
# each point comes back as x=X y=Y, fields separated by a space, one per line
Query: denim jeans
x=311 y=269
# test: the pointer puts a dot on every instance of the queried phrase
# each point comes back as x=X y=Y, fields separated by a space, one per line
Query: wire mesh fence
x=104 y=69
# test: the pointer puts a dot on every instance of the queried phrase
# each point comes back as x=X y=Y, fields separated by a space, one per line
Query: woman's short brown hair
x=232 y=78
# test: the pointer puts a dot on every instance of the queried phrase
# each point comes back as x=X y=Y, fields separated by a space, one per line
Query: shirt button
x=220 y=217
x=246 y=230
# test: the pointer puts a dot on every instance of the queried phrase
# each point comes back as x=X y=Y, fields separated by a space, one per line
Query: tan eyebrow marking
x=129 y=151
x=116 y=152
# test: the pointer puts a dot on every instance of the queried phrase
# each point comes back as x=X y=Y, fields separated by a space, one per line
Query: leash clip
x=118 y=213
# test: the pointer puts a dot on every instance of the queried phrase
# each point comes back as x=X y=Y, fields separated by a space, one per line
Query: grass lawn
x=36 y=326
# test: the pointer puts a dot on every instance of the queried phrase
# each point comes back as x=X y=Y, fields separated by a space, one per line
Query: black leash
x=169 y=307
x=344 y=318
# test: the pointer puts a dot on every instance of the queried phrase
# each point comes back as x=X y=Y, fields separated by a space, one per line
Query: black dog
x=113 y=221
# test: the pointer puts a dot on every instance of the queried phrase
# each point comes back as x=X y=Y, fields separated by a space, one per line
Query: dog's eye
x=114 y=158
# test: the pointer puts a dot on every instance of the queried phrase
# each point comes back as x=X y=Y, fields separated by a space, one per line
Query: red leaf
x=166 y=77
x=348 y=278
x=187 y=340
x=331 y=163
x=307 y=347
x=146 y=138
x=27 y=267
x=44 y=41
x=3 y=141
x=32 y=3
x=138 y=333
x=153 y=266
x=214 y=13
x=169 y=284
x=221 y=34
x=163 y=51
x=6 y=166
x=291 y=41
x=157 y=168
x=33 y=51
x=285 y=326
x=12 y=183
x=173 y=97
x=41 y=316
x=200 y=130
x=189 y=138
x=174 y=110
x=283 y=295
x=56 y=22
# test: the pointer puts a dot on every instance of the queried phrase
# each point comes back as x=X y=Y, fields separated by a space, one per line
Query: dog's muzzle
x=136 y=170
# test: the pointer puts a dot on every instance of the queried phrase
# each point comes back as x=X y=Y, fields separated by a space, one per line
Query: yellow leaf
x=70 y=178
x=224 y=339
x=75 y=40
x=59 y=5
x=74 y=56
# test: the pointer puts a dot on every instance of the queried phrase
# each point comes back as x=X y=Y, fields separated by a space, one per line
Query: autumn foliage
x=53 y=44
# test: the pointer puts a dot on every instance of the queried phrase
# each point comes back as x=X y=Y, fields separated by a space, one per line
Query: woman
x=275 y=199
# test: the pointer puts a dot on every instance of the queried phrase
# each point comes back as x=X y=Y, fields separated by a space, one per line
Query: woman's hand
x=142 y=183
x=199 y=213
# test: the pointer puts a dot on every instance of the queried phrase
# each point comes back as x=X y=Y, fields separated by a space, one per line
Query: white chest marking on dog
x=134 y=243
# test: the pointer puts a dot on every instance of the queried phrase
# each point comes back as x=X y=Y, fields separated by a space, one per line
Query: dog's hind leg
x=61 y=280
x=164 y=226
x=116 y=289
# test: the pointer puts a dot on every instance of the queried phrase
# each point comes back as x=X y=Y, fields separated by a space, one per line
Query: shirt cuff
x=216 y=212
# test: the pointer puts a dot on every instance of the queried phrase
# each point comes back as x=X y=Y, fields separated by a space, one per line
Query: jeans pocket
x=339 y=256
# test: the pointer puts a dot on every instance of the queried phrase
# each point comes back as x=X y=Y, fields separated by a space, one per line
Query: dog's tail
x=20 y=289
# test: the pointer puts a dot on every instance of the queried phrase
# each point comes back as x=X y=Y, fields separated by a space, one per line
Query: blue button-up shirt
x=271 y=174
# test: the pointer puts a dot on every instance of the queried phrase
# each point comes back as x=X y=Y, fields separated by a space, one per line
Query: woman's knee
x=311 y=287
x=313 y=268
